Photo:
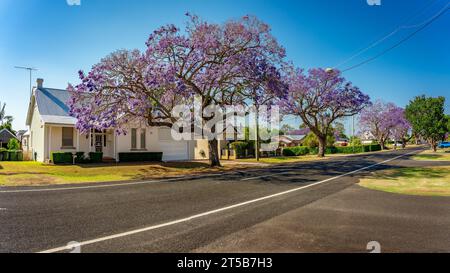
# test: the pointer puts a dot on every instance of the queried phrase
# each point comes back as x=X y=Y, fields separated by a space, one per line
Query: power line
x=439 y=14
x=382 y=39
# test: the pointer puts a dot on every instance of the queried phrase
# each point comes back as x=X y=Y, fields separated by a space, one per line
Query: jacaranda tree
x=263 y=86
x=381 y=119
x=402 y=128
x=206 y=60
x=320 y=98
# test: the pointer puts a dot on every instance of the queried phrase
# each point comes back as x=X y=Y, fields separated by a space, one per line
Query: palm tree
x=2 y=112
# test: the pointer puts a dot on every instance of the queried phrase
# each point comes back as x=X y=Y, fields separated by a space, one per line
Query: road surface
x=309 y=206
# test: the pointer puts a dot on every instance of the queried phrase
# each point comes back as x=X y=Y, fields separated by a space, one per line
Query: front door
x=99 y=143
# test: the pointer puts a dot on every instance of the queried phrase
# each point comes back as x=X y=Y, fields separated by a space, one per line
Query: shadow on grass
x=413 y=173
x=429 y=156
x=173 y=165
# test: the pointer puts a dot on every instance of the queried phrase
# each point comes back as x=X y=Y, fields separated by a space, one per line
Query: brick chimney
x=40 y=83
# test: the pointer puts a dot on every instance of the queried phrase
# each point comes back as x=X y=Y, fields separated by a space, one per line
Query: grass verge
x=37 y=174
x=440 y=155
x=430 y=181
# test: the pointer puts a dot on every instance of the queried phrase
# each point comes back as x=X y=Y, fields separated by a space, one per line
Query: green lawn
x=431 y=181
x=440 y=155
x=38 y=174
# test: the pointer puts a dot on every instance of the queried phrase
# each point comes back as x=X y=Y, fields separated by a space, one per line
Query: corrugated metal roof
x=6 y=135
x=296 y=137
x=52 y=104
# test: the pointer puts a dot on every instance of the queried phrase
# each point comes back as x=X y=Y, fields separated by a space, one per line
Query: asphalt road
x=215 y=213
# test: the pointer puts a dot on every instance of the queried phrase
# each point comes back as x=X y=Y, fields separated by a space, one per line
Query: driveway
x=212 y=213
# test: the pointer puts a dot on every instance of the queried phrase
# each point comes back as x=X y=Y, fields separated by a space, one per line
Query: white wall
x=37 y=134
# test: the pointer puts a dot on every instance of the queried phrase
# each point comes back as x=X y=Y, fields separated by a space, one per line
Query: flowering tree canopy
x=384 y=120
x=206 y=60
x=320 y=98
x=402 y=127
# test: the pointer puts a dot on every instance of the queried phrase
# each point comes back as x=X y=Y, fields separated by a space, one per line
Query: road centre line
x=132 y=232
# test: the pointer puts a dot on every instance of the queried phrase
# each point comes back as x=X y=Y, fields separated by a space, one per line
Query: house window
x=143 y=134
x=134 y=138
x=67 y=137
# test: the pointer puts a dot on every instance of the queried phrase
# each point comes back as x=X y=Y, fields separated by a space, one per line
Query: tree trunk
x=214 y=153
x=257 y=155
x=434 y=145
x=322 y=145
x=382 y=144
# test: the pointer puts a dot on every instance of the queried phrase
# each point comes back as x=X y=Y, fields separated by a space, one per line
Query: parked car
x=444 y=144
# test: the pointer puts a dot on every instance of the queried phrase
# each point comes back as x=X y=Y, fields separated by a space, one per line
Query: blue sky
x=60 y=39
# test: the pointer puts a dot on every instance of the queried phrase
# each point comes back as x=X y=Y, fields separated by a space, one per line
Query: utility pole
x=30 y=69
x=353 y=132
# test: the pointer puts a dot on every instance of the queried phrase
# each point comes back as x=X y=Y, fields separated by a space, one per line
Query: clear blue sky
x=60 y=39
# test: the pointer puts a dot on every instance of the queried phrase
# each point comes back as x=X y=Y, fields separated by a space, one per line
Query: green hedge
x=61 y=157
x=303 y=150
x=96 y=157
x=296 y=151
x=67 y=158
x=140 y=157
x=239 y=147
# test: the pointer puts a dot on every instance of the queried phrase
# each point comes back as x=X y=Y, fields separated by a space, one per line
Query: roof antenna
x=30 y=69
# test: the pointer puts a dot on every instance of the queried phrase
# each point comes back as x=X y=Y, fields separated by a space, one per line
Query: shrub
x=239 y=147
x=355 y=141
x=311 y=140
x=13 y=144
x=140 y=157
x=372 y=148
x=61 y=157
x=296 y=151
x=81 y=159
x=96 y=157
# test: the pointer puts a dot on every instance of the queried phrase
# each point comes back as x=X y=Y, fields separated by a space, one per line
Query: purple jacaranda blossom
x=384 y=121
x=206 y=60
x=321 y=97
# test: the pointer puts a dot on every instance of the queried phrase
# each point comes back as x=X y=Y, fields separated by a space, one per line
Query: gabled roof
x=52 y=106
x=6 y=135
x=296 y=137
x=289 y=138
x=300 y=132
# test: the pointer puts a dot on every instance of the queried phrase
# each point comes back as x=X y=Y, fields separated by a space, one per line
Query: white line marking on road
x=2 y=209
x=132 y=232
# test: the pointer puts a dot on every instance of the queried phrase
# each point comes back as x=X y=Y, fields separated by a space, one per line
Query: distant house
x=51 y=129
x=293 y=138
x=341 y=141
x=367 y=137
x=5 y=136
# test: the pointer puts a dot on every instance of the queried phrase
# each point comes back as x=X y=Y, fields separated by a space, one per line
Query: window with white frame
x=133 y=138
x=143 y=142
x=67 y=137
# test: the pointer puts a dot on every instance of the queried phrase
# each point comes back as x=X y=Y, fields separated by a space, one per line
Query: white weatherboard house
x=52 y=129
